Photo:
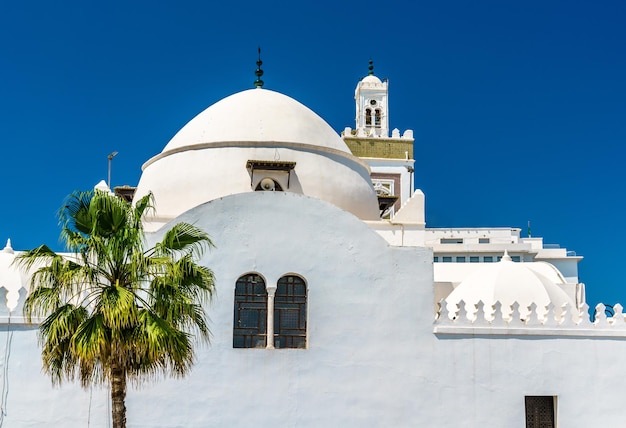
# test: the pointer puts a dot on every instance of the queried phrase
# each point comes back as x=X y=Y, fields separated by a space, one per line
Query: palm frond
x=112 y=304
x=163 y=344
x=185 y=237
x=117 y=307
x=92 y=339
x=143 y=206
x=35 y=258
x=75 y=215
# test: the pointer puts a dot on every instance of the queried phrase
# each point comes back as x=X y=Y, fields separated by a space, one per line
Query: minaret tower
x=390 y=158
x=372 y=118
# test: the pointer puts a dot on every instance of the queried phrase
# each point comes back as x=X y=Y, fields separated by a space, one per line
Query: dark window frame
x=540 y=411
x=290 y=312
x=250 y=312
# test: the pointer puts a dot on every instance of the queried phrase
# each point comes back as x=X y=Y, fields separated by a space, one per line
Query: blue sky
x=518 y=108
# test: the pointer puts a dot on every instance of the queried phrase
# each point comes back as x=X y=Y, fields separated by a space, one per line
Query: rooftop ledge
x=514 y=320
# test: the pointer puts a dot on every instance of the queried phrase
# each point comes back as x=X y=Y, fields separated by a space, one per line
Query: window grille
x=540 y=412
x=250 y=318
x=290 y=302
x=377 y=118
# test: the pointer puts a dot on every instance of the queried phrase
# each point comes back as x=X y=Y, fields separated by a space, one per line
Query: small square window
x=460 y=259
x=483 y=240
x=516 y=258
x=499 y=258
x=540 y=411
x=435 y=259
x=488 y=259
x=447 y=259
x=474 y=259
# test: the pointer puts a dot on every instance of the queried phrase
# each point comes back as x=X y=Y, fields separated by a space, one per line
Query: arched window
x=368 y=117
x=290 y=304
x=377 y=118
x=250 y=323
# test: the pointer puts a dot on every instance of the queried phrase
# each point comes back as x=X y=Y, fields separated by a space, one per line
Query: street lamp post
x=110 y=158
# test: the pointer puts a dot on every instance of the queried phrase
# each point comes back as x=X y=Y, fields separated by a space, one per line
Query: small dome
x=371 y=79
x=508 y=282
x=211 y=157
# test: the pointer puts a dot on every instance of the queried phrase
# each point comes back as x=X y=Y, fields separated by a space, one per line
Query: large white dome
x=258 y=115
x=208 y=158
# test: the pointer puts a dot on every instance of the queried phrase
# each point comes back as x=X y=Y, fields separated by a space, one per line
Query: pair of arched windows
x=377 y=117
x=286 y=317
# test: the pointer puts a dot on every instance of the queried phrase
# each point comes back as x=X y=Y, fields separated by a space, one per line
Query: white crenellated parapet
x=13 y=315
x=363 y=132
x=498 y=319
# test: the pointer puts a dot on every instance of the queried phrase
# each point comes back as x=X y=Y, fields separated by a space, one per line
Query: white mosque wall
x=376 y=354
x=351 y=373
x=28 y=397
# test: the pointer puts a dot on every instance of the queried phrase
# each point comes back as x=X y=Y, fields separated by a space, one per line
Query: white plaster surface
x=372 y=358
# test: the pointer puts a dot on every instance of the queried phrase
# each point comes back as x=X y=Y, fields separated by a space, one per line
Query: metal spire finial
x=371 y=68
x=258 y=82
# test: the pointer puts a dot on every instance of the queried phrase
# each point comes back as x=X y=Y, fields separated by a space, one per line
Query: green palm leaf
x=114 y=310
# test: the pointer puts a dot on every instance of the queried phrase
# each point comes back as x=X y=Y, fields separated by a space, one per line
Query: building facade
x=335 y=305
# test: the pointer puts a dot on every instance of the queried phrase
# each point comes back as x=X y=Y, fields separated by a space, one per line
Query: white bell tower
x=372 y=110
x=390 y=158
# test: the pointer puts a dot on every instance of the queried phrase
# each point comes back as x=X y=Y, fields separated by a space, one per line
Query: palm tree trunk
x=118 y=397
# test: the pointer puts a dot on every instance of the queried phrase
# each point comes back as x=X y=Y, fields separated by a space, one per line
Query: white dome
x=207 y=159
x=371 y=79
x=257 y=115
x=508 y=282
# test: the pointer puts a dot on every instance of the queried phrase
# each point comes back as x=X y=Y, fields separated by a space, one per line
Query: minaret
x=390 y=158
x=372 y=119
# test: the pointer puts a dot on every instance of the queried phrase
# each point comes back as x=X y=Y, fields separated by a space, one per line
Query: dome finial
x=506 y=257
x=258 y=82
x=370 y=68
x=8 y=248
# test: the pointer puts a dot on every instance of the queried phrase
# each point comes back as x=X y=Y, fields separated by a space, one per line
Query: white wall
x=372 y=360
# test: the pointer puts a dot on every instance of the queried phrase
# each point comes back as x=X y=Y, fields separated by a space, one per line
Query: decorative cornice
x=515 y=320
x=270 y=144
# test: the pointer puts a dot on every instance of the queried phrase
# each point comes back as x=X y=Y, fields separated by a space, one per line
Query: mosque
x=335 y=305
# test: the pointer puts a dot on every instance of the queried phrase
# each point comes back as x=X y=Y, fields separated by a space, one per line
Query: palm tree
x=113 y=310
